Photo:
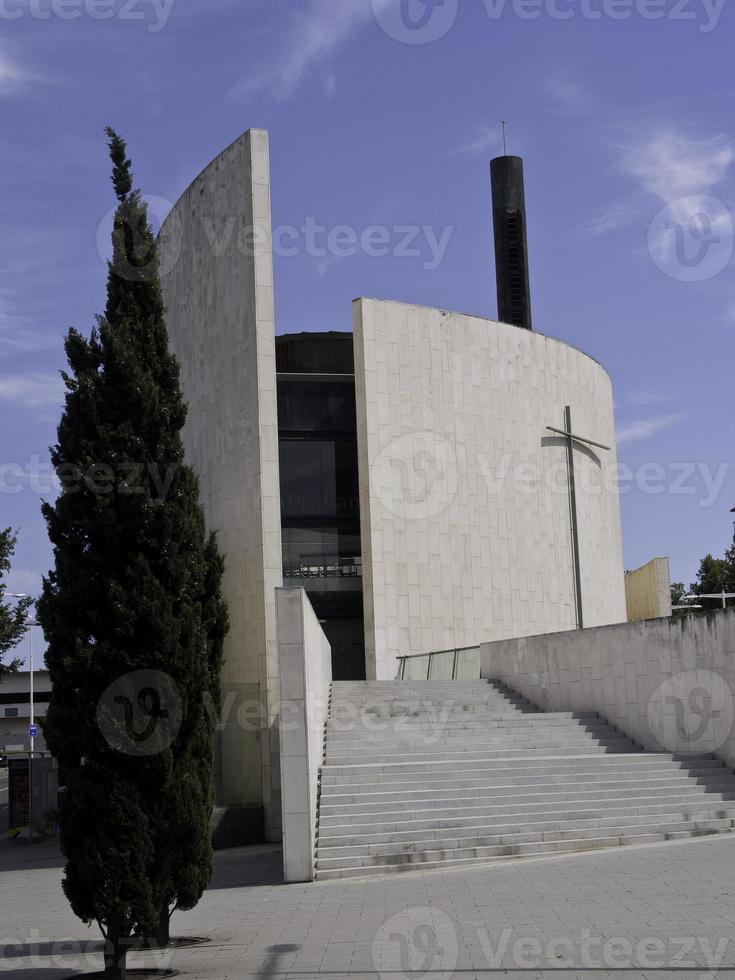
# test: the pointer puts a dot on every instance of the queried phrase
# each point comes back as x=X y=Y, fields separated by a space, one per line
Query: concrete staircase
x=430 y=774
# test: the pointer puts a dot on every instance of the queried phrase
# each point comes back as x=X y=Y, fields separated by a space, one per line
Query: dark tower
x=511 y=244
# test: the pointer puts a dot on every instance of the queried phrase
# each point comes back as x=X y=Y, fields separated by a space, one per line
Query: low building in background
x=15 y=710
x=648 y=591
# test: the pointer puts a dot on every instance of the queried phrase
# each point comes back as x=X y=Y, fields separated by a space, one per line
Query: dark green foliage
x=108 y=845
x=12 y=614
x=716 y=575
x=135 y=590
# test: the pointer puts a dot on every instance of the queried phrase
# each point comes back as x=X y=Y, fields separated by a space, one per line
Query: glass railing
x=307 y=567
x=462 y=663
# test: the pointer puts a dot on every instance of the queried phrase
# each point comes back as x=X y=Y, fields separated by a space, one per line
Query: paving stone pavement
x=652 y=913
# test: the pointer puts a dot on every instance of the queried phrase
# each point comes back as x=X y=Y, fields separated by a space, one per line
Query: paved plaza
x=661 y=911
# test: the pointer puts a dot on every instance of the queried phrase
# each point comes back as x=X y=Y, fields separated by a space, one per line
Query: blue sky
x=621 y=109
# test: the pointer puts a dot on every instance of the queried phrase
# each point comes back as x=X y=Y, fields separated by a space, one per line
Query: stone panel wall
x=463 y=491
x=218 y=287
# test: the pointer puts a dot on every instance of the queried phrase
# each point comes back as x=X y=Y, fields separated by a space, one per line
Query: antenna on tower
x=505 y=146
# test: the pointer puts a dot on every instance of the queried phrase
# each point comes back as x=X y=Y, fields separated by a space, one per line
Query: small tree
x=715 y=575
x=132 y=612
x=12 y=616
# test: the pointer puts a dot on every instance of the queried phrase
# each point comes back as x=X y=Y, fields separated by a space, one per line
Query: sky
x=385 y=113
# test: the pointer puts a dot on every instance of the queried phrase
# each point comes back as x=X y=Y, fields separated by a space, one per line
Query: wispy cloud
x=641 y=429
x=11 y=74
x=670 y=167
x=17 y=334
x=641 y=399
x=568 y=95
x=330 y=85
x=309 y=38
x=35 y=390
x=482 y=141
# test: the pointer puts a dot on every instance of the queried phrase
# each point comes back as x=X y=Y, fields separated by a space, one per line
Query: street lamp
x=29 y=624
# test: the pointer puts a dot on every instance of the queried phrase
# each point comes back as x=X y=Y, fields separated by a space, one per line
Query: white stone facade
x=466 y=530
x=217 y=275
x=463 y=491
x=305 y=668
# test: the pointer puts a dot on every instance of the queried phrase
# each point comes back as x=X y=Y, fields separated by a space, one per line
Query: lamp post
x=29 y=624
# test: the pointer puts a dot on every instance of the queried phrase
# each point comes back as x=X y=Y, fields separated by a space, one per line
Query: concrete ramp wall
x=305 y=675
x=668 y=684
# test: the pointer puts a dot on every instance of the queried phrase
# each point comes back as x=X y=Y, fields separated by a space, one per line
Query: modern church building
x=415 y=475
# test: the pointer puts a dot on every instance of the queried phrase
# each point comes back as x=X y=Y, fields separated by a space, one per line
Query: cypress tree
x=132 y=612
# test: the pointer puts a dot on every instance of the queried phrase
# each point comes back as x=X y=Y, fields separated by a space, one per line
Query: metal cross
x=571 y=438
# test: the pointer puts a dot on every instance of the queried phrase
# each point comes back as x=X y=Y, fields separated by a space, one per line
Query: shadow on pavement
x=41 y=973
x=259 y=865
x=275 y=954
x=57 y=947
x=16 y=855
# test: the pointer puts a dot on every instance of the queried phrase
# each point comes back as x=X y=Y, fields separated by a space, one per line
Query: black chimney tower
x=511 y=244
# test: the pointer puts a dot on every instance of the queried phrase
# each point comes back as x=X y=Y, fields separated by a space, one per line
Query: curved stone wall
x=466 y=527
x=216 y=265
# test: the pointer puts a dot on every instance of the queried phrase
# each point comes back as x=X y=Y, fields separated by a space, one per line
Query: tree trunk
x=163 y=933
x=116 y=952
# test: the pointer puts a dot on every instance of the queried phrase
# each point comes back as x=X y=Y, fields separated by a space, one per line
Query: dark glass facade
x=320 y=505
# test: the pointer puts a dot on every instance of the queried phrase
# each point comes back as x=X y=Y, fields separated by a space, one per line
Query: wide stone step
x=663 y=823
x=583 y=841
x=352 y=779
x=562 y=823
x=419 y=703
x=475 y=715
x=369 y=748
x=466 y=748
x=401 y=735
x=393 y=684
x=465 y=755
x=533 y=803
x=356 y=793
x=715 y=806
x=587 y=762
x=387 y=728
x=437 y=802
